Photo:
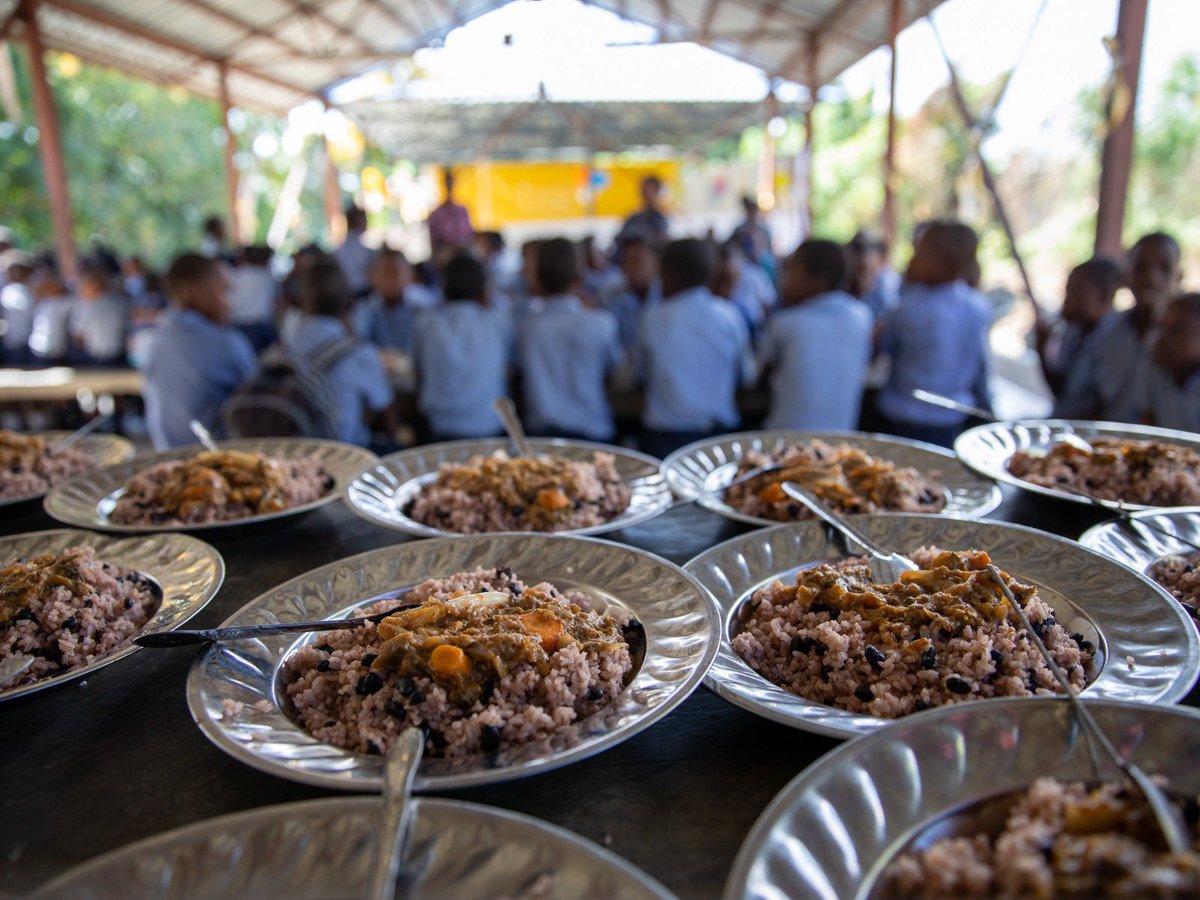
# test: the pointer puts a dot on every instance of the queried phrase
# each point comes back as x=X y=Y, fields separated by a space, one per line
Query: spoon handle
x=204 y=436
x=397 y=813
x=81 y=432
x=512 y=426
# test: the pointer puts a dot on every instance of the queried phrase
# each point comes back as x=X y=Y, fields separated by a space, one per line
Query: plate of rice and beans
x=810 y=640
x=851 y=472
x=30 y=463
x=994 y=799
x=194 y=489
x=1136 y=466
x=476 y=486
x=74 y=600
x=514 y=653
x=1172 y=563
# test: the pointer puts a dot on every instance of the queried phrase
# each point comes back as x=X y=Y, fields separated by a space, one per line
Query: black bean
x=489 y=738
x=864 y=693
x=373 y=749
x=129 y=603
x=1033 y=683
x=407 y=508
x=485 y=694
x=417 y=697
x=1077 y=638
x=324 y=648
x=514 y=590
x=505 y=572
x=23 y=615
x=368 y=659
x=997 y=658
x=956 y=685
x=396 y=709
x=920 y=705
x=820 y=608
x=87 y=604
x=1189 y=568
x=929 y=659
x=801 y=644
x=875 y=657
x=517 y=510
x=437 y=739
x=404 y=685
x=1038 y=627
x=927 y=496
x=52 y=653
x=71 y=624
x=594 y=693
x=368 y=684
x=323 y=666
x=1087 y=646
x=329 y=723
x=794 y=510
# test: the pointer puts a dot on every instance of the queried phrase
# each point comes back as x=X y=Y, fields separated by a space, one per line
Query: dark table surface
x=92 y=765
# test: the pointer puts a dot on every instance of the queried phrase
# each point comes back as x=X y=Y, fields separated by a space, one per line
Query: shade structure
x=277 y=53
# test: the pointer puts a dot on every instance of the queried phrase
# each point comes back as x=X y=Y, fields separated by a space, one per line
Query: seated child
x=99 y=321
x=1173 y=395
x=1068 y=349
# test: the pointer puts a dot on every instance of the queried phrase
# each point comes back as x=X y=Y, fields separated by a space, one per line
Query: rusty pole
x=814 y=48
x=1117 y=158
x=889 y=154
x=231 y=173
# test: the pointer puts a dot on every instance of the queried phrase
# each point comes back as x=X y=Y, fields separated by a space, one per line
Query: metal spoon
x=1165 y=812
x=183 y=638
x=204 y=435
x=81 y=432
x=1067 y=437
x=13 y=666
x=512 y=426
x=396 y=815
x=886 y=566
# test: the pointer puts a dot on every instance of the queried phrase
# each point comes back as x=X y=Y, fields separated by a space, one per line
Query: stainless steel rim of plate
x=322 y=848
x=988 y=448
x=698 y=470
x=104 y=449
x=834 y=827
x=1139 y=549
x=680 y=619
x=379 y=494
x=1133 y=616
x=188 y=571
x=78 y=501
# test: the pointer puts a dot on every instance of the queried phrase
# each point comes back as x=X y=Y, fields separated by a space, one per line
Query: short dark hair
x=1103 y=272
x=1190 y=303
x=356 y=219
x=323 y=289
x=557 y=265
x=494 y=240
x=652 y=180
x=957 y=244
x=188 y=270
x=464 y=278
x=213 y=223
x=388 y=253
x=688 y=263
x=865 y=242
x=1156 y=237
x=823 y=259
x=257 y=254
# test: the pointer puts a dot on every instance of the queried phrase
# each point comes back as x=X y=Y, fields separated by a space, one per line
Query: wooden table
x=63 y=383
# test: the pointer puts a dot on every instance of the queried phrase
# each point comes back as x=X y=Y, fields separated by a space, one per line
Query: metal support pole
x=889 y=155
x=50 y=145
x=1117 y=158
x=814 y=48
x=332 y=196
x=231 y=173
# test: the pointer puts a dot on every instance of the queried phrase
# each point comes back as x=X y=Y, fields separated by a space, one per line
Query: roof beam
x=392 y=13
x=314 y=13
x=117 y=23
x=766 y=15
x=250 y=28
x=706 y=21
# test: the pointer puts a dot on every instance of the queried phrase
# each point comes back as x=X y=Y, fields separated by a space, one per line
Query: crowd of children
x=692 y=321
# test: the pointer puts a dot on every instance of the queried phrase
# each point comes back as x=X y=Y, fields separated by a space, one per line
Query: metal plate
x=322 y=849
x=831 y=831
x=1130 y=614
x=103 y=449
x=988 y=448
x=188 y=571
x=87 y=500
x=379 y=494
x=680 y=618
x=699 y=471
x=1139 y=547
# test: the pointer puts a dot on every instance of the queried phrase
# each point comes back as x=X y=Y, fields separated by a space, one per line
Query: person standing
x=354 y=256
x=650 y=222
x=449 y=224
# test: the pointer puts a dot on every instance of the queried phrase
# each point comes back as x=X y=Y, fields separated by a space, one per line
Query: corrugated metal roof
x=281 y=52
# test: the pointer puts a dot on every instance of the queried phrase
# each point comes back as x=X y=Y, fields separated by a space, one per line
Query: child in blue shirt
x=461 y=351
x=566 y=352
x=817 y=347
x=1067 y=349
x=195 y=360
x=692 y=354
x=937 y=337
x=1173 y=389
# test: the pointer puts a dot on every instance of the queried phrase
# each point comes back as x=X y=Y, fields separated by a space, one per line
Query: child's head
x=686 y=264
x=639 y=263
x=1177 y=349
x=557 y=267
x=488 y=244
x=465 y=278
x=356 y=220
x=197 y=282
x=390 y=275
x=867 y=255
x=944 y=251
x=816 y=267
x=323 y=289
x=529 y=255
x=1153 y=270
x=214 y=227
x=257 y=255
x=17 y=266
x=1091 y=287
x=750 y=207
x=651 y=190
x=728 y=263
x=93 y=283
x=448 y=182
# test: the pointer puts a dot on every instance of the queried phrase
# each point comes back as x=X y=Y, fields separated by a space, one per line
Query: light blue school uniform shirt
x=1109 y=378
x=565 y=352
x=101 y=326
x=192 y=366
x=693 y=351
x=1170 y=404
x=391 y=326
x=628 y=308
x=818 y=352
x=358 y=381
x=461 y=352
x=937 y=339
x=884 y=293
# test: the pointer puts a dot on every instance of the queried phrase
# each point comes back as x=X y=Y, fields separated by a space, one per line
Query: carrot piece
x=552 y=498
x=448 y=661
x=772 y=493
x=545 y=627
